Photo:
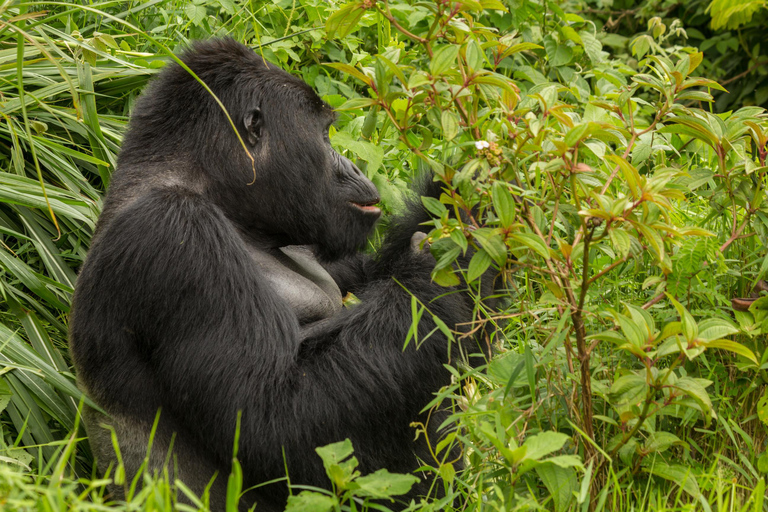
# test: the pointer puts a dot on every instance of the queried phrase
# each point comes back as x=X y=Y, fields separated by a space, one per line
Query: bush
x=621 y=211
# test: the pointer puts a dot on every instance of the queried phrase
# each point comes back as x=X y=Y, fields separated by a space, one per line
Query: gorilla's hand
x=416 y=243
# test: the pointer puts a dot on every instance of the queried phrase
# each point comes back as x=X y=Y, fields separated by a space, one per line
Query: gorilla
x=213 y=287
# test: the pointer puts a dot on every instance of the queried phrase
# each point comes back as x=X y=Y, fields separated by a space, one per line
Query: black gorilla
x=202 y=294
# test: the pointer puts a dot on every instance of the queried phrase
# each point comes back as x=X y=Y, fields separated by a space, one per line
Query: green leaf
x=716 y=328
x=691 y=254
x=450 y=123
x=660 y=441
x=731 y=346
x=695 y=390
x=445 y=277
x=592 y=47
x=308 y=501
x=762 y=407
x=631 y=330
x=504 y=204
x=675 y=473
x=474 y=55
x=630 y=173
x=341 y=23
x=339 y=463
x=493 y=245
x=196 y=13
x=478 y=265
x=544 y=443
x=351 y=70
x=447 y=258
x=433 y=206
x=443 y=58
x=628 y=388
x=620 y=241
x=576 y=134
x=688 y=324
x=383 y=484
x=533 y=242
x=561 y=483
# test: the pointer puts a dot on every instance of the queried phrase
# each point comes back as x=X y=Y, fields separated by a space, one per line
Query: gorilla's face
x=352 y=211
x=321 y=197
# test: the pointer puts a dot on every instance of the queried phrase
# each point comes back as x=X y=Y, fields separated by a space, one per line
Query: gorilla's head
x=300 y=191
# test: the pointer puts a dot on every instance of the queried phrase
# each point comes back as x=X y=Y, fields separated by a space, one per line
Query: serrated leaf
x=691 y=254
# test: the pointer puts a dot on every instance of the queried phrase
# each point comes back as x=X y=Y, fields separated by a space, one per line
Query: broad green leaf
x=450 y=123
x=634 y=333
x=675 y=473
x=443 y=58
x=478 y=264
x=383 y=484
x=309 y=501
x=561 y=483
x=620 y=241
x=592 y=46
x=533 y=242
x=504 y=204
x=716 y=328
x=688 y=324
x=695 y=390
x=342 y=22
x=544 y=443
x=731 y=346
x=630 y=173
x=493 y=245
x=629 y=388
x=660 y=441
x=433 y=206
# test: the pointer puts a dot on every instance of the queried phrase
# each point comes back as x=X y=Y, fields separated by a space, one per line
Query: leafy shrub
x=620 y=210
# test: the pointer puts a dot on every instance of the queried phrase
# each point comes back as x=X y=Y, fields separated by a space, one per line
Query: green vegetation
x=623 y=206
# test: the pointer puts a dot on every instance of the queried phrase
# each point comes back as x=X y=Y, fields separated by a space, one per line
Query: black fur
x=180 y=305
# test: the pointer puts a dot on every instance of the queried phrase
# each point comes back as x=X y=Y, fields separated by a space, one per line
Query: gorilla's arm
x=195 y=312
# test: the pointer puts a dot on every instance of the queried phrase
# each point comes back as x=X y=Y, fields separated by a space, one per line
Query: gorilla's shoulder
x=169 y=216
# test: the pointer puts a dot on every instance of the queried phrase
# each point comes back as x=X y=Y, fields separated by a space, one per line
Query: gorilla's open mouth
x=367 y=206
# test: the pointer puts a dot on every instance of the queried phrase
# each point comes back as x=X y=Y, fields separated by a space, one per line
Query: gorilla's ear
x=253 y=123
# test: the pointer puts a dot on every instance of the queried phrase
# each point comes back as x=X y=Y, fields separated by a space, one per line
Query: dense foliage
x=623 y=208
